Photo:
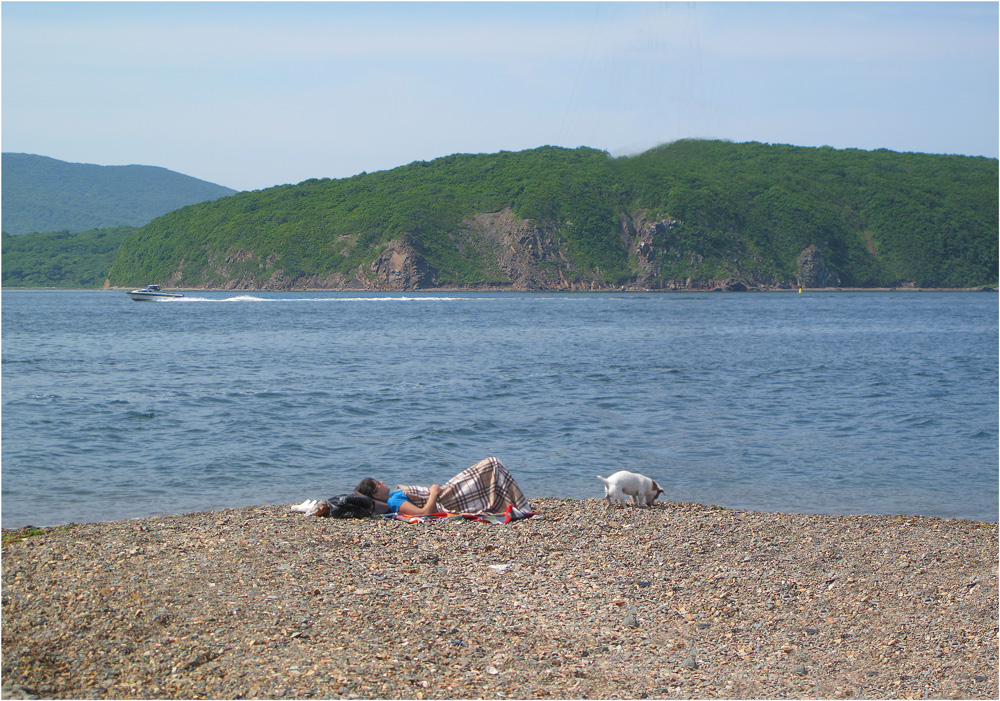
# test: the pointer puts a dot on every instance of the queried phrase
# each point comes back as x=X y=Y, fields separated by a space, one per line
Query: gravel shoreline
x=586 y=601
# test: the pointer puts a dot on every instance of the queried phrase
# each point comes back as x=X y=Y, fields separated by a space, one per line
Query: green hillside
x=879 y=217
x=45 y=194
x=61 y=258
x=688 y=215
x=692 y=214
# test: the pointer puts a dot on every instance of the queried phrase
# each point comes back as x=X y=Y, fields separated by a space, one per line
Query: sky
x=255 y=94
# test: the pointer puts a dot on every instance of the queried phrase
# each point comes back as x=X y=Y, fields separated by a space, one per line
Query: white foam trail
x=251 y=298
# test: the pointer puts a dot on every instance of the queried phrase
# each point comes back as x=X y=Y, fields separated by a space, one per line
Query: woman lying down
x=484 y=488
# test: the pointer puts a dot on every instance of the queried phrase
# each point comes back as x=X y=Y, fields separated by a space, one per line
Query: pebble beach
x=584 y=601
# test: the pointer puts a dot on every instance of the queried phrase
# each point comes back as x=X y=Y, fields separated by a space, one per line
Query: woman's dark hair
x=367 y=487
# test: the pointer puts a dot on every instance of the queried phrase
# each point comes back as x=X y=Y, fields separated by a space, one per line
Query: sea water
x=819 y=402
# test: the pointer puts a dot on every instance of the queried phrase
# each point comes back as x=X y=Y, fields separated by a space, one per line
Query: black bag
x=351 y=506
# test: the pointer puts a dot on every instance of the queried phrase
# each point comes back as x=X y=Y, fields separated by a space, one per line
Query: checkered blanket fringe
x=512 y=514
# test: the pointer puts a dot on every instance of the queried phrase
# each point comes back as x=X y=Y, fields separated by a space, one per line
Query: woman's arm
x=408 y=508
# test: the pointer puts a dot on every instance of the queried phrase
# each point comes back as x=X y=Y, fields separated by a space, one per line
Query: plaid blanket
x=484 y=488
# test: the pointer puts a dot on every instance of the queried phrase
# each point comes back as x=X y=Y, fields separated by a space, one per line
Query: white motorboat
x=151 y=293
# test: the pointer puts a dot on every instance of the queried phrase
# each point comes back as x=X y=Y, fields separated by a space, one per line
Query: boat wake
x=252 y=298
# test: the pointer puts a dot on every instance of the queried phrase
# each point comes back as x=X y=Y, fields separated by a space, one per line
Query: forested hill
x=61 y=258
x=45 y=194
x=688 y=215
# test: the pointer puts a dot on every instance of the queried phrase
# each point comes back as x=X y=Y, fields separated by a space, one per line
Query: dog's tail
x=603 y=480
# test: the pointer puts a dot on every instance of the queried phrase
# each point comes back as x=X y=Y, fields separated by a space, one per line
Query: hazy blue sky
x=251 y=95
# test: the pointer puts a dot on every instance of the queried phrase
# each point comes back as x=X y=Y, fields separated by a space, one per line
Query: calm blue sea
x=820 y=402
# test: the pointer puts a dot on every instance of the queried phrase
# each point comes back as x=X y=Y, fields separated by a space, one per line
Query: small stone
x=631 y=621
x=690 y=663
x=800 y=669
x=16 y=691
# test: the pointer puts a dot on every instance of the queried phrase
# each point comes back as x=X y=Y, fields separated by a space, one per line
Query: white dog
x=632 y=484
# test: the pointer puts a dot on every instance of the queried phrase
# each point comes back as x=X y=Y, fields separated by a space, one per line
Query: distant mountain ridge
x=42 y=194
x=691 y=215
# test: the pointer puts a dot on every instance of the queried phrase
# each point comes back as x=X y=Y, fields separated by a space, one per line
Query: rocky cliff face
x=525 y=256
x=529 y=257
x=813 y=271
x=399 y=267
x=652 y=244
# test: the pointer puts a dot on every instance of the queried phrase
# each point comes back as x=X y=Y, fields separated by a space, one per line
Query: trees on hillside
x=876 y=218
